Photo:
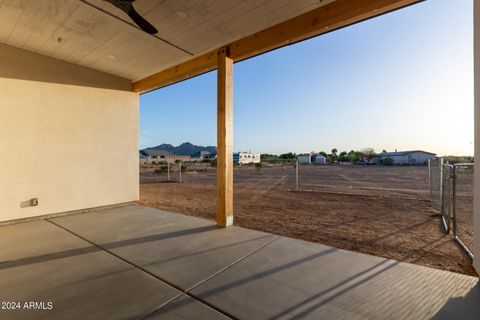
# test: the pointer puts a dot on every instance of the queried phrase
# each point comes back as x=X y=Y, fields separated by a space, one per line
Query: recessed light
x=182 y=14
x=111 y=57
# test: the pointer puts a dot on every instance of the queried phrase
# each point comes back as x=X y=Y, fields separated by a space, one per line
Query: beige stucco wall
x=68 y=136
x=476 y=199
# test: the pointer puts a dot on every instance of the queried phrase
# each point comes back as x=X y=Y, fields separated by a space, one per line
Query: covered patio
x=134 y=262
x=72 y=244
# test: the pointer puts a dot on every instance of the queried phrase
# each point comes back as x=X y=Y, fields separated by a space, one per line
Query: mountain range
x=185 y=149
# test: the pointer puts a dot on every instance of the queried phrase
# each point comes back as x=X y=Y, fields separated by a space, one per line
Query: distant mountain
x=185 y=149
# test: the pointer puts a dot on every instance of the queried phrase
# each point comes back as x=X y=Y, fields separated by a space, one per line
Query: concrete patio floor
x=141 y=263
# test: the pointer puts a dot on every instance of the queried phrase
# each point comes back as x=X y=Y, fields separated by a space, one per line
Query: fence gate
x=451 y=193
x=447 y=196
x=463 y=206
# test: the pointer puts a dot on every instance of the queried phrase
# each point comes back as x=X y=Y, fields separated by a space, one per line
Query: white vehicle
x=246 y=157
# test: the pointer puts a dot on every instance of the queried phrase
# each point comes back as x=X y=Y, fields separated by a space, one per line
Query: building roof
x=155 y=153
x=403 y=153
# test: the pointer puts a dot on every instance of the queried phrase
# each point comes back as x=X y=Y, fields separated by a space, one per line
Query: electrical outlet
x=34 y=202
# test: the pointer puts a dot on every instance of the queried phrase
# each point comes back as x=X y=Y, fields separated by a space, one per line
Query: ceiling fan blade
x=127 y=7
x=141 y=22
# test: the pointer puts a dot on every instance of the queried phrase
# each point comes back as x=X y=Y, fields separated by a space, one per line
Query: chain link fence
x=463 y=206
x=451 y=192
x=435 y=182
x=162 y=172
x=446 y=207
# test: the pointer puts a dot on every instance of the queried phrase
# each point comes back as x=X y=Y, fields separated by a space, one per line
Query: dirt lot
x=382 y=211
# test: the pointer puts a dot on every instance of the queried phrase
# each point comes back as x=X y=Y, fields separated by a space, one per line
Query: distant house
x=201 y=155
x=319 y=159
x=246 y=157
x=155 y=156
x=414 y=157
x=159 y=154
x=212 y=155
x=304 y=159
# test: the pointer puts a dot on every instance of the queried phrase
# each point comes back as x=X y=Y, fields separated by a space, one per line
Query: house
x=414 y=157
x=152 y=156
x=201 y=155
x=319 y=159
x=211 y=156
x=157 y=156
x=304 y=159
x=246 y=157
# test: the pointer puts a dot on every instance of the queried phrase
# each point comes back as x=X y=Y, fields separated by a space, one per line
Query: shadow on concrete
x=467 y=307
x=336 y=295
x=112 y=245
x=251 y=278
x=170 y=259
x=266 y=273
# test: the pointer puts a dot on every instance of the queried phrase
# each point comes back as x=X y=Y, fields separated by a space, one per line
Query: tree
x=343 y=156
x=267 y=156
x=368 y=152
x=287 y=156
x=333 y=156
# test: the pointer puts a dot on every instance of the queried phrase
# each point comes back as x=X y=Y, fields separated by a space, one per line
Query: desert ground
x=383 y=211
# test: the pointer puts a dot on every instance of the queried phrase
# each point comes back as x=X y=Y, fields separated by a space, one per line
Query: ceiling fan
x=127 y=7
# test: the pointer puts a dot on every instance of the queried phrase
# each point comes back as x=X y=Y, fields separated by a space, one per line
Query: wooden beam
x=332 y=16
x=224 y=139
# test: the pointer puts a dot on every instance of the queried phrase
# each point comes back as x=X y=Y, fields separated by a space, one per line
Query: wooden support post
x=224 y=139
x=476 y=112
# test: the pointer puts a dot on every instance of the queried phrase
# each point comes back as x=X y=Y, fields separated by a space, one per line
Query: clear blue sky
x=400 y=81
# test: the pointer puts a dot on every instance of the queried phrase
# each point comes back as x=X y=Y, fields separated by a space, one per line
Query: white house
x=246 y=157
x=414 y=157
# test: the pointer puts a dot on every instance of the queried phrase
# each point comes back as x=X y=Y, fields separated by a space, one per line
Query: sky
x=401 y=81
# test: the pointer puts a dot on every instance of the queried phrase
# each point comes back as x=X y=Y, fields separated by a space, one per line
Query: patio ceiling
x=92 y=32
x=95 y=34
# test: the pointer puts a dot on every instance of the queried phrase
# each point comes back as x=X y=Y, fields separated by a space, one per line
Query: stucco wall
x=476 y=198
x=68 y=136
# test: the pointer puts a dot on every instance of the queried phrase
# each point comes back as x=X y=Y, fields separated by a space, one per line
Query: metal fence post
x=168 y=171
x=296 y=175
x=430 y=179
x=180 y=171
x=441 y=187
x=454 y=206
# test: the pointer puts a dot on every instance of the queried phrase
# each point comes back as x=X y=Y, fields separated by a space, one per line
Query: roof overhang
x=97 y=35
